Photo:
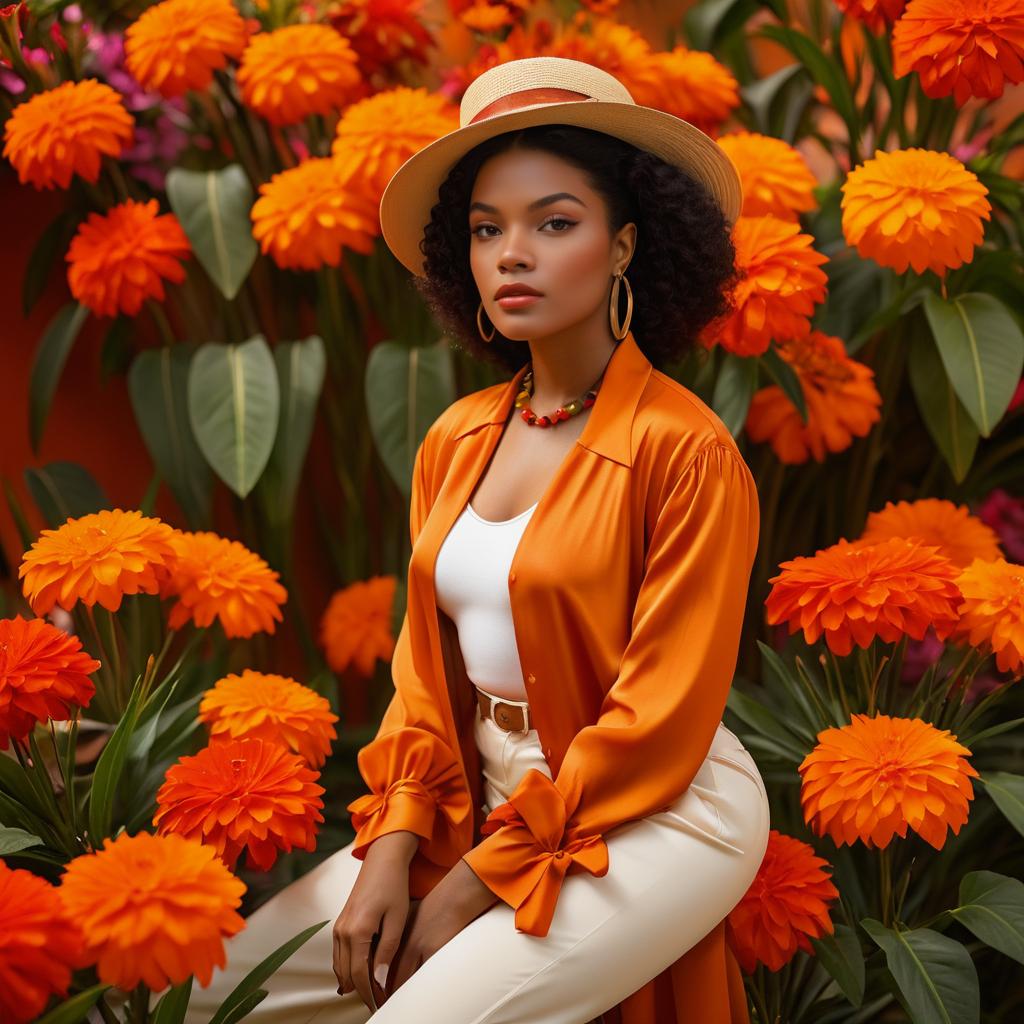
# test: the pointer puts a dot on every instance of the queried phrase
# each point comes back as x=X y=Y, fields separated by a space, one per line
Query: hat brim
x=412 y=191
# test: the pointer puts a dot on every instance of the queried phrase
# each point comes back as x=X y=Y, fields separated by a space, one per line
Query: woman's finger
x=360 y=968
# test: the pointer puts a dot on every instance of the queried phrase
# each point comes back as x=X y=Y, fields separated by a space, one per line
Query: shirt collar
x=608 y=427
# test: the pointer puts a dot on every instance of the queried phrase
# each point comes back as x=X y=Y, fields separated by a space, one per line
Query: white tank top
x=471 y=581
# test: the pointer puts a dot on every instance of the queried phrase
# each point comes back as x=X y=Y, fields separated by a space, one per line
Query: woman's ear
x=624 y=245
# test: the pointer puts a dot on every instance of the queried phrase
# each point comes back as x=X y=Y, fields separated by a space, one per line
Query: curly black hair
x=683 y=265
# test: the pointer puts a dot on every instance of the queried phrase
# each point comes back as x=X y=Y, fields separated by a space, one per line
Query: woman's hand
x=378 y=902
x=457 y=899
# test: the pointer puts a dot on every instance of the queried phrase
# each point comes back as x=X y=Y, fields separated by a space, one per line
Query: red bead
x=525 y=413
x=588 y=402
x=543 y=421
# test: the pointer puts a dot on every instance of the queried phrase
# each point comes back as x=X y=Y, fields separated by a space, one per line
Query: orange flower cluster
x=383 y=33
x=872 y=779
x=217 y=578
x=876 y=14
x=355 y=628
x=66 y=131
x=177 y=45
x=914 y=207
x=306 y=215
x=961 y=47
x=153 y=909
x=785 y=907
x=119 y=259
x=298 y=70
x=98 y=558
x=236 y=795
x=854 y=592
x=840 y=394
x=258 y=705
x=44 y=673
x=781 y=281
x=378 y=134
x=488 y=16
x=774 y=176
x=960 y=536
x=39 y=945
x=992 y=611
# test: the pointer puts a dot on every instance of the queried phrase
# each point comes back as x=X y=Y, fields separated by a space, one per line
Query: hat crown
x=533 y=81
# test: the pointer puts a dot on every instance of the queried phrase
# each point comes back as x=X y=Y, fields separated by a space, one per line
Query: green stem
x=885 y=885
x=163 y=325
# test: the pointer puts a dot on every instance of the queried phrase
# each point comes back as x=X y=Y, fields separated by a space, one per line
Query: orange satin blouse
x=627 y=590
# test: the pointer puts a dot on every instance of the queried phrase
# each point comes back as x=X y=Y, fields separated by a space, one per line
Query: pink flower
x=1005 y=514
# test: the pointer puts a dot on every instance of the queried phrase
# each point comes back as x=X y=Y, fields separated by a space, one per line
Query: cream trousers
x=672 y=877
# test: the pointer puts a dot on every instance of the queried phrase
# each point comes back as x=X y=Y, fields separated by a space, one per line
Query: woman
x=559 y=821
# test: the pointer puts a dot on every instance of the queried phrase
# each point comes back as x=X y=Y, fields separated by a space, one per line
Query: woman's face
x=533 y=220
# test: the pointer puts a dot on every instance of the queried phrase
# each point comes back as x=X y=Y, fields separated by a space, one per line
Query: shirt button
x=531 y=678
x=511 y=577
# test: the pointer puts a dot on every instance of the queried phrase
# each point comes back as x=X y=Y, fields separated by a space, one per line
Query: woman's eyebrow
x=536 y=204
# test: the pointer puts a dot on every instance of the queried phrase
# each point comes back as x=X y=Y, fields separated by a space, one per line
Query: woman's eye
x=554 y=220
x=559 y=220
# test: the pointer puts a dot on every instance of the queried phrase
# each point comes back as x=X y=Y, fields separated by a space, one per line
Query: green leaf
x=174 y=1003
x=51 y=245
x=246 y=1006
x=840 y=954
x=259 y=974
x=762 y=94
x=233 y=405
x=14 y=839
x=48 y=365
x=301 y=366
x=1007 y=792
x=982 y=350
x=774 y=734
x=710 y=22
x=406 y=390
x=934 y=973
x=952 y=429
x=158 y=386
x=992 y=907
x=213 y=208
x=734 y=388
x=64 y=489
x=783 y=374
x=75 y=1009
x=109 y=769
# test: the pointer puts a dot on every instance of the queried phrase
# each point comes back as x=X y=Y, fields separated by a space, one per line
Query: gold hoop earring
x=480 y=326
x=619 y=332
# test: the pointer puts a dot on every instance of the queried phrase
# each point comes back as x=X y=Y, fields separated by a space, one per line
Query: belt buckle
x=502 y=716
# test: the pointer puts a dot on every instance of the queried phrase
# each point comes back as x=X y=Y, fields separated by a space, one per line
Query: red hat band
x=526 y=98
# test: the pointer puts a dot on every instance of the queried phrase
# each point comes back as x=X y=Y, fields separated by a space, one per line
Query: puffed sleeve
x=414 y=776
x=659 y=718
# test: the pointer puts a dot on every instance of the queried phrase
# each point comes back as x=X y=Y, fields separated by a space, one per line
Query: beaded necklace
x=563 y=412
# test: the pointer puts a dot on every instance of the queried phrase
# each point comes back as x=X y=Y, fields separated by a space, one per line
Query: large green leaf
x=259 y=974
x=109 y=769
x=233 y=406
x=14 y=839
x=992 y=906
x=934 y=973
x=982 y=349
x=174 y=1003
x=952 y=429
x=300 y=372
x=840 y=954
x=406 y=390
x=158 y=386
x=49 y=249
x=75 y=1009
x=734 y=388
x=48 y=365
x=783 y=374
x=1007 y=791
x=213 y=208
x=63 y=489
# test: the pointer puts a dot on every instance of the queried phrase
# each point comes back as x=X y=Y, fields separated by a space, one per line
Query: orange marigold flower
x=961 y=536
x=620 y=49
x=298 y=70
x=873 y=778
x=774 y=175
x=270 y=707
x=382 y=32
x=44 y=673
x=840 y=394
x=65 y=131
x=855 y=592
x=785 y=907
x=878 y=15
x=992 y=612
x=380 y=133
x=690 y=84
x=39 y=945
x=123 y=257
x=914 y=207
x=486 y=17
x=306 y=215
x=217 y=578
x=356 y=626
x=235 y=795
x=781 y=281
x=964 y=47
x=177 y=45
x=153 y=909
x=98 y=558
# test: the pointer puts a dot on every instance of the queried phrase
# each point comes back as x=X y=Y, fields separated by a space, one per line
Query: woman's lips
x=515 y=301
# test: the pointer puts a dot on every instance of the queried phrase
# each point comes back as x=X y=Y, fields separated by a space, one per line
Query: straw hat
x=546 y=90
